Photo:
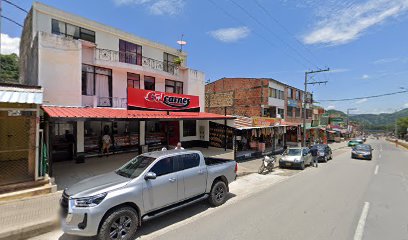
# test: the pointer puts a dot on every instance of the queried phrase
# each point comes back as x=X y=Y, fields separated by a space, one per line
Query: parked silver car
x=296 y=157
x=113 y=205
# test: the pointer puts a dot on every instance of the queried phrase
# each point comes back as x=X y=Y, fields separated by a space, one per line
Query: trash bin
x=80 y=158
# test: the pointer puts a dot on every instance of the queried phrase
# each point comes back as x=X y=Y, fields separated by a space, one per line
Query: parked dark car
x=324 y=152
x=362 y=151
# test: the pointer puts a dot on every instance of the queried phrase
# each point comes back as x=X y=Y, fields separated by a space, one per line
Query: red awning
x=109 y=113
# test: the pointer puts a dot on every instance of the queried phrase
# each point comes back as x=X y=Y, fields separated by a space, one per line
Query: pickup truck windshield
x=135 y=167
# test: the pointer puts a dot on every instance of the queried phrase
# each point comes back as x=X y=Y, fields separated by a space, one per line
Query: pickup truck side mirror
x=150 y=175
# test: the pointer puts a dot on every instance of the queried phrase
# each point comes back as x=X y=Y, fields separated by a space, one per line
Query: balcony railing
x=134 y=59
x=113 y=102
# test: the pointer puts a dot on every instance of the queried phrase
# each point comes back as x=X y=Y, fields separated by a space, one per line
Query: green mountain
x=382 y=119
x=373 y=121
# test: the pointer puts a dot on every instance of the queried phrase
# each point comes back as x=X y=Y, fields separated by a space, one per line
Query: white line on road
x=358 y=235
x=376 y=170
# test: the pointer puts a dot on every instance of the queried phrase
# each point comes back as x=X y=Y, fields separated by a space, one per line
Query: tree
x=402 y=125
x=9 y=68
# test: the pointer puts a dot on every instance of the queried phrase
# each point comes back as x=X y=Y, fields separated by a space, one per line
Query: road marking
x=376 y=170
x=358 y=235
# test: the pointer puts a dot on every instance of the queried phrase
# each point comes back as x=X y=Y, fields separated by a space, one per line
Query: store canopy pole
x=225 y=129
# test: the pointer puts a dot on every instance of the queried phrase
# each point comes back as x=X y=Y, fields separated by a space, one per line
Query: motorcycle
x=268 y=163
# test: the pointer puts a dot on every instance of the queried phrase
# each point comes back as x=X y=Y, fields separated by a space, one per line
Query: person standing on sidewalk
x=313 y=152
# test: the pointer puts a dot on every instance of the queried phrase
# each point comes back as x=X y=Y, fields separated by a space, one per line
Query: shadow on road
x=164 y=221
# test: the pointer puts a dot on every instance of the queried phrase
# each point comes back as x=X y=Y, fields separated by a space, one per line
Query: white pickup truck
x=113 y=205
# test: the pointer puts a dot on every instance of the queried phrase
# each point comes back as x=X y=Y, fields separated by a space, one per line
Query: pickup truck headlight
x=89 y=201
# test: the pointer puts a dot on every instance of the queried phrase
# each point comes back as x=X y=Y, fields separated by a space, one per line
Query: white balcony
x=111 y=102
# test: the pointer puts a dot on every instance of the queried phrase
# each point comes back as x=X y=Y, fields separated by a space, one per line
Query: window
x=168 y=62
x=174 y=86
x=97 y=81
x=130 y=53
x=149 y=83
x=189 y=161
x=189 y=128
x=298 y=95
x=133 y=80
x=275 y=93
x=309 y=113
x=281 y=112
x=290 y=93
x=69 y=30
x=290 y=111
x=297 y=112
x=163 y=167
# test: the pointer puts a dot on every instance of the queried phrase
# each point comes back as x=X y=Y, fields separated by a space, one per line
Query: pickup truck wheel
x=120 y=224
x=218 y=194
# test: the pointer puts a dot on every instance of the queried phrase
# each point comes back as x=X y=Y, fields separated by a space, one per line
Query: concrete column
x=142 y=133
x=80 y=136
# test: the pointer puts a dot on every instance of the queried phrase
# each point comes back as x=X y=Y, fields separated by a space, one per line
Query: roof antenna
x=181 y=42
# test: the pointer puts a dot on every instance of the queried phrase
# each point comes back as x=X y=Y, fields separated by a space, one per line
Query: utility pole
x=304 y=99
x=348 y=113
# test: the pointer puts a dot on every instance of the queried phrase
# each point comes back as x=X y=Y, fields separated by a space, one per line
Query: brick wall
x=248 y=96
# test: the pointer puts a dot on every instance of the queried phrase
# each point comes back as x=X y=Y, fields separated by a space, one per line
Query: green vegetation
x=383 y=121
x=402 y=124
x=9 y=68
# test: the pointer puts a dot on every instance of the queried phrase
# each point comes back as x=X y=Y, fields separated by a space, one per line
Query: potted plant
x=178 y=61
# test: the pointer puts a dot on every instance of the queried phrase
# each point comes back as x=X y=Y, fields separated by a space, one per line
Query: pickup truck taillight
x=236 y=167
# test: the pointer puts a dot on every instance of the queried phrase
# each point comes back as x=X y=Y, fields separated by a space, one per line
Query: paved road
x=343 y=199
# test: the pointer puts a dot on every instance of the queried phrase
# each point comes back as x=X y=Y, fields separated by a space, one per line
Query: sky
x=364 y=43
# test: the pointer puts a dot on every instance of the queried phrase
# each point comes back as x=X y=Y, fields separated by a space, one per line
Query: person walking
x=313 y=152
x=106 y=143
x=179 y=146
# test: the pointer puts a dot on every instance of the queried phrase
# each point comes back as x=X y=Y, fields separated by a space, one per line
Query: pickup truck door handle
x=200 y=172
x=172 y=179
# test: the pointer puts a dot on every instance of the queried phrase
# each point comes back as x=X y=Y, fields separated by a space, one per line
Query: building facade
x=257 y=97
x=83 y=65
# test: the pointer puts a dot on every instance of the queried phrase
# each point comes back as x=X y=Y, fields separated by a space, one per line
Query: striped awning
x=20 y=94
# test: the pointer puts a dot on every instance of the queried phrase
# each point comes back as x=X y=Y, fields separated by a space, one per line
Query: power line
x=359 y=98
x=272 y=32
x=284 y=28
x=15 y=5
x=256 y=33
x=11 y=20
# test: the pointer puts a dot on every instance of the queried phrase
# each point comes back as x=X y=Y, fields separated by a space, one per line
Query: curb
x=30 y=231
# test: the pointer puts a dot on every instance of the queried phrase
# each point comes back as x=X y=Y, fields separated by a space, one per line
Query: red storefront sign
x=154 y=100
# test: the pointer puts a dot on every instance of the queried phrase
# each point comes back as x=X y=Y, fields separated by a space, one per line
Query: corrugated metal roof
x=20 y=95
x=109 y=113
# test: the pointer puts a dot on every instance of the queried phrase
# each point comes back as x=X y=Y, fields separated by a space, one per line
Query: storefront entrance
x=173 y=131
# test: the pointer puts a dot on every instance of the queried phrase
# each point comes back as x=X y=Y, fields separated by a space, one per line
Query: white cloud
x=157 y=7
x=406 y=105
x=230 y=34
x=9 y=44
x=339 y=70
x=365 y=76
x=331 y=107
x=348 y=23
x=362 y=101
x=386 y=60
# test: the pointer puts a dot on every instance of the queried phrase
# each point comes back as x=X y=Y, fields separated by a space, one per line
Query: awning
x=13 y=93
x=291 y=124
x=110 y=113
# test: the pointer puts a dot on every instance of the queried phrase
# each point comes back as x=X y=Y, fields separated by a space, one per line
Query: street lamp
x=348 y=112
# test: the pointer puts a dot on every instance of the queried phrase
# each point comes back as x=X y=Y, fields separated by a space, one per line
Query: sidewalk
x=26 y=217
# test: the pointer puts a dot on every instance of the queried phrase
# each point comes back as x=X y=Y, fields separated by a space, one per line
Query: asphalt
x=341 y=199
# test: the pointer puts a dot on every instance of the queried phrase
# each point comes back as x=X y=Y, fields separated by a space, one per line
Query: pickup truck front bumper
x=80 y=221
x=283 y=163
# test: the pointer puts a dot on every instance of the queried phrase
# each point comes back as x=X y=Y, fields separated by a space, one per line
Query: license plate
x=360 y=155
x=288 y=164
